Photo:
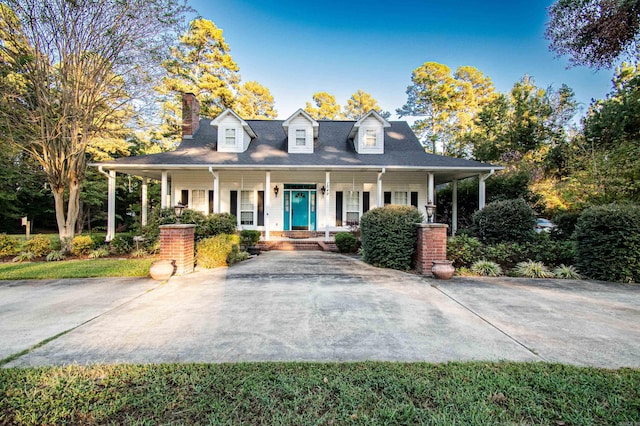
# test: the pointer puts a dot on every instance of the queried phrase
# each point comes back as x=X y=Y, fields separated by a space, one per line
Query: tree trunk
x=67 y=222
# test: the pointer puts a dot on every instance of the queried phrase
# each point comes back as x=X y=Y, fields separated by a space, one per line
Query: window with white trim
x=230 y=137
x=400 y=197
x=198 y=200
x=246 y=207
x=301 y=137
x=352 y=207
x=370 y=138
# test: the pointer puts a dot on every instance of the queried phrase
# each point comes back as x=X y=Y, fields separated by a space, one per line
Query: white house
x=294 y=174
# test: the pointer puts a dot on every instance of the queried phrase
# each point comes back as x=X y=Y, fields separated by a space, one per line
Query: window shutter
x=366 y=202
x=233 y=201
x=387 y=198
x=184 y=197
x=414 y=199
x=211 y=198
x=339 y=208
x=260 y=208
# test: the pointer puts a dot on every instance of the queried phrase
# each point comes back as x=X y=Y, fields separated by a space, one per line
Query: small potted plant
x=248 y=241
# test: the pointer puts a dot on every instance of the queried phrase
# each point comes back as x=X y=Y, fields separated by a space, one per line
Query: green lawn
x=317 y=393
x=76 y=269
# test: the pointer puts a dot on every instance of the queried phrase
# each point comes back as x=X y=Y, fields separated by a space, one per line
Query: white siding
x=242 y=137
x=298 y=123
x=370 y=123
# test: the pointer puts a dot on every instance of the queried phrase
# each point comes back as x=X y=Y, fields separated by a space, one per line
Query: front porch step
x=299 y=235
x=290 y=245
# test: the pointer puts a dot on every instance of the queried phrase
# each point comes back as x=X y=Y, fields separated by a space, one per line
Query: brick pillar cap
x=178 y=226
x=433 y=225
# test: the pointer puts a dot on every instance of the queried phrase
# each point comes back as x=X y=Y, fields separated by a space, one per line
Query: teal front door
x=299 y=210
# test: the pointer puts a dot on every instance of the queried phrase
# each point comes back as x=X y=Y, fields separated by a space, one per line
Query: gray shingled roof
x=332 y=149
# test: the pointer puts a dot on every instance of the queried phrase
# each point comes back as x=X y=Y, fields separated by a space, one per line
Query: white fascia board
x=303 y=113
x=216 y=121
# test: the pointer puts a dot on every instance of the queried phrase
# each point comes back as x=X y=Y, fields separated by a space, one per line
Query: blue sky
x=297 y=48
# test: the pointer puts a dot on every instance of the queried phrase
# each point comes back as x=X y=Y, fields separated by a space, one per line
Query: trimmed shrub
x=220 y=223
x=463 y=250
x=550 y=251
x=81 y=245
x=346 y=242
x=39 y=245
x=486 y=268
x=565 y=224
x=531 y=269
x=213 y=252
x=389 y=236
x=121 y=244
x=236 y=255
x=9 y=245
x=249 y=238
x=503 y=221
x=608 y=243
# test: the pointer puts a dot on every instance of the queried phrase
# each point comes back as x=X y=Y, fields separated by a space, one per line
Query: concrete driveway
x=314 y=306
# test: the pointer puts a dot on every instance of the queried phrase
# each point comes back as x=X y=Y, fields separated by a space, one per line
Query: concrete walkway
x=315 y=306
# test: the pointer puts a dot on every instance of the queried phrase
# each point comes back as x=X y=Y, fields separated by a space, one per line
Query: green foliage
x=9 y=245
x=139 y=253
x=81 y=245
x=236 y=255
x=346 y=242
x=249 y=238
x=56 y=256
x=99 y=252
x=167 y=216
x=220 y=223
x=508 y=220
x=608 y=243
x=567 y=272
x=565 y=223
x=463 y=250
x=486 y=268
x=24 y=256
x=213 y=252
x=542 y=248
x=532 y=269
x=121 y=244
x=39 y=245
x=389 y=236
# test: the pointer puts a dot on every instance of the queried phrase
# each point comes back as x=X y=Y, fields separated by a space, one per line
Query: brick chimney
x=190 y=115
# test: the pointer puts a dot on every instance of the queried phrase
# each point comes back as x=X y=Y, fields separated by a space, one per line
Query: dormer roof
x=301 y=112
x=362 y=119
x=244 y=124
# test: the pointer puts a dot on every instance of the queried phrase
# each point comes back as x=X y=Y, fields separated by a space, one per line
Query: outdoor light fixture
x=276 y=190
x=323 y=190
x=177 y=209
x=431 y=211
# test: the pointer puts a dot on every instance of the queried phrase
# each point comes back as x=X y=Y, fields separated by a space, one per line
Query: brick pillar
x=432 y=245
x=177 y=243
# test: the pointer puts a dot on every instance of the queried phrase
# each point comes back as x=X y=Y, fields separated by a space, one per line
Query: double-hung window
x=197 y=200
x=230 y=137
x=246 y=207
x=353 y=207
x=400 y=197
x=301 y=137
x=370 y=138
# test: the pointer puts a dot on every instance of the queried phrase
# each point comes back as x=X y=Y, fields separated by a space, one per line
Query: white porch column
x=327 y=207
x=111 y=206
x=481 y=192
x=379 y=198
x=145 y=201
x=454 y=206
x=163 y=190
x=430 y=188
x=216 y=190
x=267 y=205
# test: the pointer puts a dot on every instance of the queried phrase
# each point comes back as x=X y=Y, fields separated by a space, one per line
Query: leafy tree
x=361 y=103
x=254 y=101
x=199 y=64
x=326 y=107
x=448 y=103
x=67 y=68
x=594 y=33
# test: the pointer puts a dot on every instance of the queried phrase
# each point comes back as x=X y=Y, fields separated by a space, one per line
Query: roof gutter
x=488 y=175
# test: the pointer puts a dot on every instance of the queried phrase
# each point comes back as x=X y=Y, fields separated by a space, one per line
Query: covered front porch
x=277 y=200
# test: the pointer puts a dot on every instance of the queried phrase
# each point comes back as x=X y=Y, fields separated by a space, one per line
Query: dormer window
x=230 y=137
x=370 y=138
x=301 y=137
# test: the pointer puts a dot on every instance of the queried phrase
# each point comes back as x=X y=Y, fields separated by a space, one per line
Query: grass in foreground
x=315 y=393
x=76 y=269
